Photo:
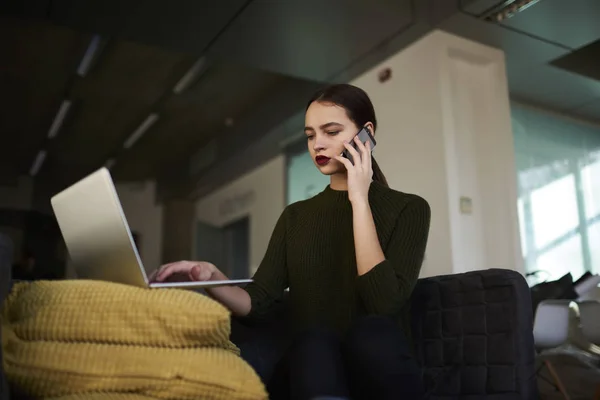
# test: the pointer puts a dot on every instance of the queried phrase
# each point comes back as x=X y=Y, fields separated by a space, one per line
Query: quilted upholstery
x=473 y=335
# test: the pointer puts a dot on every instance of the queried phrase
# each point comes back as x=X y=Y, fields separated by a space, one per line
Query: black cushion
x=473 y=335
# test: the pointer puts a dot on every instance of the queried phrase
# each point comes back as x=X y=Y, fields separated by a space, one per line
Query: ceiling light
x=137 y=134
x=110 y=163
x=193 y=73
x=89 y=56
x=508 y=9
x=37 y=163
x=59 y=118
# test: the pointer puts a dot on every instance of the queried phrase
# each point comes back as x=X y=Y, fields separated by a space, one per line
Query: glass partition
x=303 y=179
x=558 y=166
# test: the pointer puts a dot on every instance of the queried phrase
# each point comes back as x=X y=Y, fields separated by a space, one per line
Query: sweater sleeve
x=271 y=277
x=386 y=288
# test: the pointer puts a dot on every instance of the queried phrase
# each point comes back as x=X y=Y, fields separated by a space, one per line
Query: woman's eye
x=309 y=137
x=333 y=133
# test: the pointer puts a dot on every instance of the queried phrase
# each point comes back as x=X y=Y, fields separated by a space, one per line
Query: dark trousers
x=373 y=361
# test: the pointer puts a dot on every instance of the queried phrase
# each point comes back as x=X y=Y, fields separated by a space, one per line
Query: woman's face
x=327 y=127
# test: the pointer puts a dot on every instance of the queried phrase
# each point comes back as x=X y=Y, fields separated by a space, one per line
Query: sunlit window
x=590 y=181
x=594 y=239
x=558 y=165
x=521 y=210
x=554 y=210
x=562 y=259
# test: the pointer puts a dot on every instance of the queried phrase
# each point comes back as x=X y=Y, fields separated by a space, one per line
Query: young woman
x=350 y=256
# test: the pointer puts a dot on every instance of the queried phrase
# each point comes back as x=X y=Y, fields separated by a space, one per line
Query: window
x=554 y=210
x=558 y=166
x=590 y=187
x=304 y=180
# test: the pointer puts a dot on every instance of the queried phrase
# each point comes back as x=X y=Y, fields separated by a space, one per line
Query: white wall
x=17 y=197
x=444 y=133
x=259 y=195
x=410 y=148
x=144 y=217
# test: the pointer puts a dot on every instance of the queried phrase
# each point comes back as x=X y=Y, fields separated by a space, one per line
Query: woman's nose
x=319 y=144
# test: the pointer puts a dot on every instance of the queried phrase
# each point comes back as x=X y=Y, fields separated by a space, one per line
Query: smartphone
x=364 y=135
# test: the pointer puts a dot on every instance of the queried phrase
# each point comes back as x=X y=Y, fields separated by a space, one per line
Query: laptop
x=98 y=237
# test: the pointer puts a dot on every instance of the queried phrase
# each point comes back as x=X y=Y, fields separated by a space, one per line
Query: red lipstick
x=322 y=160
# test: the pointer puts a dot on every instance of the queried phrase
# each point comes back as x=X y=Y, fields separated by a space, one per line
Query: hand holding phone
x=364 y=135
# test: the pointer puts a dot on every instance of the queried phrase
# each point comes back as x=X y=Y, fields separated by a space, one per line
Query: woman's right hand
x=185 y=271
x=234 y=298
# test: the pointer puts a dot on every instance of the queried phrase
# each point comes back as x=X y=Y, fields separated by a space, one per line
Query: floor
x=580 y=380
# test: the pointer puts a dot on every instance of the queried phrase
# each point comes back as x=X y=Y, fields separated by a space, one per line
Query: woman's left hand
x=360 y=175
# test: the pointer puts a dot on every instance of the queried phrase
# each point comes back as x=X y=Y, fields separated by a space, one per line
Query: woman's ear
x=370 y=127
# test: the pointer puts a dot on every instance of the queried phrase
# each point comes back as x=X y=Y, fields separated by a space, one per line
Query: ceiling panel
x=571 y=23
x=584 y=61
x=38 y=61
x=478 y=7
x=521 y=50
x=33 y=8
x=187 y=26
x=259 y=133
x=133 y=70
x=292 y=38
x=115 y=98
x=590 y=111
x=190 y=120
x=553 y=87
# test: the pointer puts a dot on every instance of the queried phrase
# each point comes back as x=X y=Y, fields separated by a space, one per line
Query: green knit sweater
x=312 y=252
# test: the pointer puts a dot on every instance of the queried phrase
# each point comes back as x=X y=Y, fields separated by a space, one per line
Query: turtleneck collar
x=341 y=196
x=334 y=197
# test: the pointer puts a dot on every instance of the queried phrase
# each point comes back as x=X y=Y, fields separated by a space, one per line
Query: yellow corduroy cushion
x=104 y=312
x=102 y=396
x=55 y=369
x=87 y=339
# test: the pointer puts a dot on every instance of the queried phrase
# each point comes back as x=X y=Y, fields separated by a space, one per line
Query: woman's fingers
x=344 y=161
x=355 y=154
x=152 y=276
x=170 y=269
x=192 y=270
x=162 y=268
x=200 y=272
x=365 y=152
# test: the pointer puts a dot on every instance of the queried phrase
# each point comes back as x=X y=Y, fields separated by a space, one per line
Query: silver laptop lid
x=96 y=232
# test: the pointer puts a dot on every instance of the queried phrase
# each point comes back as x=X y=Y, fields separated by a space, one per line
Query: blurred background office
x=489 y=109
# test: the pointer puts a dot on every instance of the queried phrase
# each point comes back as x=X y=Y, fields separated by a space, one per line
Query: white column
x=445 y=134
